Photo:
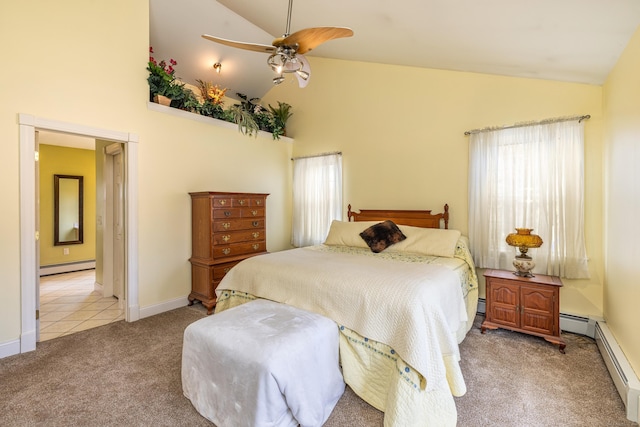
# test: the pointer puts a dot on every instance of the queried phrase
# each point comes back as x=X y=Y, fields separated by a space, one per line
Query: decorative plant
x=211 y=93
x=248 y=104
x=244 y=119
x=249 y=115
x=187 y=101
x=162 y=79
x=280 y=116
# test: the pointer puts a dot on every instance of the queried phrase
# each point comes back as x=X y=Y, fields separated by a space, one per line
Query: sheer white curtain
x=529 y=177
x=317 y=197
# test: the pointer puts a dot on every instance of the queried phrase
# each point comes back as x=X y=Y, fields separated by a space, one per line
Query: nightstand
x=530 y=305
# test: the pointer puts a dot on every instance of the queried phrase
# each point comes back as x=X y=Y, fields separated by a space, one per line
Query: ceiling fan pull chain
x=289 y=19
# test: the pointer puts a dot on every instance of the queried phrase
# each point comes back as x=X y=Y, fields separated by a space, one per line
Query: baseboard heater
x=623 y=376
x=47 y=270
x=621 y=372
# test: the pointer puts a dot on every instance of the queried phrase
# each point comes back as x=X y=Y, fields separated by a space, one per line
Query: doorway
x=75 y=292
x=29 y=235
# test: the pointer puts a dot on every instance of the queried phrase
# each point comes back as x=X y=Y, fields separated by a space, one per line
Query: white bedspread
x=414 y=308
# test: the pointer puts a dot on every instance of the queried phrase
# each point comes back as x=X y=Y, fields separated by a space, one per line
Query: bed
x=402 y=306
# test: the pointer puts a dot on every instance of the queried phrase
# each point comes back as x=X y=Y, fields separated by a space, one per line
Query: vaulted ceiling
x=565 y=40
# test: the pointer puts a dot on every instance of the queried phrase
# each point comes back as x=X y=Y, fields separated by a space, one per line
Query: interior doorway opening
x=29 y=233
x=81 y=283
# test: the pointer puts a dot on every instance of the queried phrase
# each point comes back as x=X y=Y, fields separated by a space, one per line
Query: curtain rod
x=541 y=122
x=339 y=153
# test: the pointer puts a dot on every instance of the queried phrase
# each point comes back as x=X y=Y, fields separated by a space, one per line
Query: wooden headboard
x=423 y=219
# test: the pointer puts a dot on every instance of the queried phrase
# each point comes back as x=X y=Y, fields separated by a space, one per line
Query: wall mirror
x=67 y=201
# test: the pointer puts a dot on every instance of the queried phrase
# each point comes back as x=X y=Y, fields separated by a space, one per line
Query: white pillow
x=342 y=233
x=427 y=241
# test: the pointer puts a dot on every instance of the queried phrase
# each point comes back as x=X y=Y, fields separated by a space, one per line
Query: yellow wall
x=622 y=177
x=85 y=63
x=67 y=161
x=401 y=132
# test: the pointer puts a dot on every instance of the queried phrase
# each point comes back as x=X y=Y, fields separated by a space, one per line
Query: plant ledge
x=176 y=112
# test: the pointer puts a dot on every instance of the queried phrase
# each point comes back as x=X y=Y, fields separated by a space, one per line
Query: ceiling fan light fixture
x=276 y=62
x=286 y=53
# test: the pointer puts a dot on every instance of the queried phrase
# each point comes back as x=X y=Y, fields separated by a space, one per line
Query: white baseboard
x=152 y=310
x=46 y=270
x=623 y=375
x=98 y=287
x=9 y=348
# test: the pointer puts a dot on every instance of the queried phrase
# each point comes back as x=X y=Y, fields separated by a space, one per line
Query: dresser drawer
x=238 y=224
x=257 y=201
x=241 y=201
x=252 y=212
x=220 y=270
x=227 y=213
x=239 y=249
x=237 y=237
x=222 y=202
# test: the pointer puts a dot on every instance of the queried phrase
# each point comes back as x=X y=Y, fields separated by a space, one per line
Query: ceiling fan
x=286 y=52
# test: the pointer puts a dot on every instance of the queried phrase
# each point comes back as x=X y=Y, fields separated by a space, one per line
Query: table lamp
x=523 y=240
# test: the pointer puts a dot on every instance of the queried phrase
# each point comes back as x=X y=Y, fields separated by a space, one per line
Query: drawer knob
x=254 y=213
x=226 y=225
x=241 y=202
x=226 y=251
x=226 y=237
x=227 y=213
x=256 y=246
x=226 y=270
x=255 y=223
x=256 y=235
x=222 y=202
x=258 y=202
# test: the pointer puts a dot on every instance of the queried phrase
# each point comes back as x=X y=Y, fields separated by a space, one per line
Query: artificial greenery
x=280 y=116
x=245 y=120
x=162 y=79
x=249 y=114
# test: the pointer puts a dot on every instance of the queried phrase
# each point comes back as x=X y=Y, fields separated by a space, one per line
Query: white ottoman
x=262 y=364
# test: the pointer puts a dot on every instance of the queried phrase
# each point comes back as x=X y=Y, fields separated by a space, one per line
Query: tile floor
x=69 y=303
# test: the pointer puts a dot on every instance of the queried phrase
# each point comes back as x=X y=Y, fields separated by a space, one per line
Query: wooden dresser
x=524 y=304
x=225 y=229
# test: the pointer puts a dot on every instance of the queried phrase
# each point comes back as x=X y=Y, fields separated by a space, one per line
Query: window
x=529 y=177
x=317 y=197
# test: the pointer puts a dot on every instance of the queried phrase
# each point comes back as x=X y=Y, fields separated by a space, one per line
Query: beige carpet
x=128 y=374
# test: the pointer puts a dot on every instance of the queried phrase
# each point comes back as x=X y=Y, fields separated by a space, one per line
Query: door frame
x=28 y=125
x=113 y=252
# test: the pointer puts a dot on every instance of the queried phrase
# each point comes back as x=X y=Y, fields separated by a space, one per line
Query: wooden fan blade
x=309 y=38
x=241 y=45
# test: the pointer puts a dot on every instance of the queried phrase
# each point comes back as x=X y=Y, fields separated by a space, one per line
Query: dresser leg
x=209 y=307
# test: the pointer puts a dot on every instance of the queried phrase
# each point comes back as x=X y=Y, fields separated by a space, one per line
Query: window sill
x=209 y=120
